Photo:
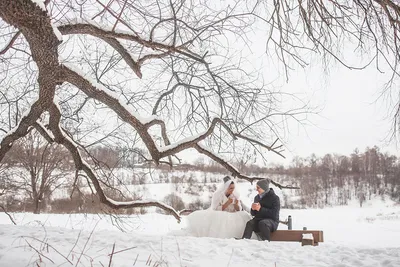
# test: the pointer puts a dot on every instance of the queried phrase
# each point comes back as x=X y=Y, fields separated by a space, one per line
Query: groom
x=265 y=210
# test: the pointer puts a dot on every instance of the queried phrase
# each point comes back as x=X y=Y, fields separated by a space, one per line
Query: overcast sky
x=351 y=112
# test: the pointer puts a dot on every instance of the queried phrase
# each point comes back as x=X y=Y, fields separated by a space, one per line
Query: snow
x=45 y=129
x=57 y=32
x=24 y=114
x=40 y=3
x=308 y=236
x=354 y=236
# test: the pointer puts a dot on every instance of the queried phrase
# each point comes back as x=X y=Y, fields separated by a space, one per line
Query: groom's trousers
x=262 y=227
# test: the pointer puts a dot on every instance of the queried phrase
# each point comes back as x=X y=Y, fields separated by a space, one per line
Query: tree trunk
x=35 y=195
x=36 y=203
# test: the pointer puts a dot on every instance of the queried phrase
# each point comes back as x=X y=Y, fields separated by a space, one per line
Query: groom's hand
x=256 y=206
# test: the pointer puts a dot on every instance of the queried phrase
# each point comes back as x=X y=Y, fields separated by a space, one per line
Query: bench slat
x=296 y=235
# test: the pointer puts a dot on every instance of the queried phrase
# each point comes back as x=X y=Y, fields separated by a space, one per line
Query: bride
x=224 y=219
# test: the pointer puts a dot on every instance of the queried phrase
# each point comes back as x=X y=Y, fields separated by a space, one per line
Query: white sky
x=351 y=112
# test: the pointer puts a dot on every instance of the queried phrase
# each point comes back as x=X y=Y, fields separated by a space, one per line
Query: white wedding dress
x=214 y=222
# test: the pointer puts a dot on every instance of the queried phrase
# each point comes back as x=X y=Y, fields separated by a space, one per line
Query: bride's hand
x=236 y=201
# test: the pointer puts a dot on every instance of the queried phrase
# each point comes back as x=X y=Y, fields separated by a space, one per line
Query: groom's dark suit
x=265 y=220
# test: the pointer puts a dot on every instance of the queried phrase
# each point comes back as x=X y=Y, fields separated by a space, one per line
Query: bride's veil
x=218 y=194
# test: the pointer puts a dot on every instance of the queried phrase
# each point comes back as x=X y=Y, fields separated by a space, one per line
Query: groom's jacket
x=270 y=206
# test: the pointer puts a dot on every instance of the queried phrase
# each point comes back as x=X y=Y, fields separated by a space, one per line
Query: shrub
x=174 y=201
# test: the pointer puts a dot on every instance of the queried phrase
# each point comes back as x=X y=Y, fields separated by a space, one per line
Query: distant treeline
x=34 y=171
x=336 y=179
x=332 y=179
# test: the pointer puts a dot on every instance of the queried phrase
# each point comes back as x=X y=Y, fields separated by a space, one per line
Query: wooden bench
x=297 y=236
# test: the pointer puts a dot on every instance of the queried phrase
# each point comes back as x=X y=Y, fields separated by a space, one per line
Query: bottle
x=289 y=225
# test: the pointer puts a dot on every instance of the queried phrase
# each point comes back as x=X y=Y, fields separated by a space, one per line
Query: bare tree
x=8 y=186
x=160 y=74
x=45 y=167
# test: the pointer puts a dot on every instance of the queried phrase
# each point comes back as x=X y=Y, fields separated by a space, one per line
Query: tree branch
x=80 y=164
x=8 y=214
x=234 y=171
x=11 y=43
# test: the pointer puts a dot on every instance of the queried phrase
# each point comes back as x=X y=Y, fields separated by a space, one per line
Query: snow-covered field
x=368 y=236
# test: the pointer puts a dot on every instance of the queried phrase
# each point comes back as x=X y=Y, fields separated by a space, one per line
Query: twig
x=230 y=258
x=11 y=43
x=136 y=259
x=148 y=260
x=47 y=246
x=76 y=242
x=112 y=254
x=38 y=252
x=116 y=17
x=122 y=250
x=179 y=251
x=9 y=216
x=119 y=16
x=87 y=241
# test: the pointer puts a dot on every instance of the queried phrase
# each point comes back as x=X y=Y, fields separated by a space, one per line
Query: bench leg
x=307 y=242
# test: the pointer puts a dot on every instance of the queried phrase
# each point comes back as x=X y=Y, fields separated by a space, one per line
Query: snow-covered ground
x=368 y=236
